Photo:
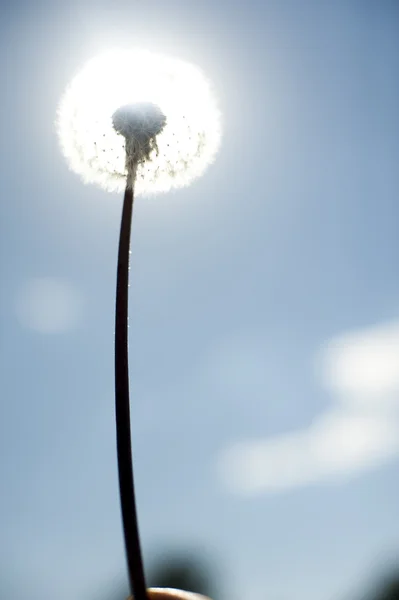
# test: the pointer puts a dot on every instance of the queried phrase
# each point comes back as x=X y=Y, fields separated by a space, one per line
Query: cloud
x=48 y=305
x=362 y=368
x=359 y=432
x=335 y=446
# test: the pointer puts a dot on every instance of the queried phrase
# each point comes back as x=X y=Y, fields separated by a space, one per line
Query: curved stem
x=122 y=409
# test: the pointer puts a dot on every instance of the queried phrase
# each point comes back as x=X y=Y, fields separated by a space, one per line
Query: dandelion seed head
x=127 y=107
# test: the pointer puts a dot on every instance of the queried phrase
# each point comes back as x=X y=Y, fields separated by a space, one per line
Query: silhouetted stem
x=122 y=409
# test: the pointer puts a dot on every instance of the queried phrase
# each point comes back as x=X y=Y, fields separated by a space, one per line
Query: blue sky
x=264 y=307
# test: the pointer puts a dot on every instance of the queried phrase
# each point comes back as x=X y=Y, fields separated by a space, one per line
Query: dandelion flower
x=144 y=123
x=95 y=148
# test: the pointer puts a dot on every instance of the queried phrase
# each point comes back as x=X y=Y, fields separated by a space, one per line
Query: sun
x=186 y=143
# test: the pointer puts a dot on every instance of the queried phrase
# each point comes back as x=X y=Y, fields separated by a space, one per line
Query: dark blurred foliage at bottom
x=191 y=571
x=386 y=588
x=184 y=570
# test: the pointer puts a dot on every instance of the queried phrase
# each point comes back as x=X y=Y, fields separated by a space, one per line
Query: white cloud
x=359 y=432
x=48 y=305
x=335 y=446
x=362 y=368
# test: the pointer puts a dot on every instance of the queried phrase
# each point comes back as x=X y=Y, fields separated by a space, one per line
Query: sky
x=264 y=307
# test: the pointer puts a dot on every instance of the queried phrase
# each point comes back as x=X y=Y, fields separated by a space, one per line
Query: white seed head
x=137 y=111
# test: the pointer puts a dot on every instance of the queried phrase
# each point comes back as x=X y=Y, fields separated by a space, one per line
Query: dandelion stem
x=122 y=409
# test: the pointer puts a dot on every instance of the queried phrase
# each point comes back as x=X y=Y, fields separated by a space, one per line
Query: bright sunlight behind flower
x=91 y=134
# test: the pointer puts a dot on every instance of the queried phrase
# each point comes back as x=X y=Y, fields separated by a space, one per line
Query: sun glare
x=186 y=145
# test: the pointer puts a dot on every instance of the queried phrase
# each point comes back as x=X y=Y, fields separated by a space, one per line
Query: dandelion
x=142 y=123
x=93 y=138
